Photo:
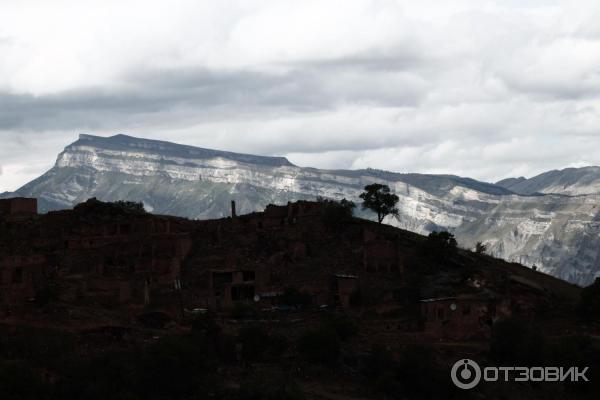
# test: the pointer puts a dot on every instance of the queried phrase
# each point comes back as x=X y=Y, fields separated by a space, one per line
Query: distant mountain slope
x=569 y=181
x=510 y=182
x=168 y=176
x=559 y=234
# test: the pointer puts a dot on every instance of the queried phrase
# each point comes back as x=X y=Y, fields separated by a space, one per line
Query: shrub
x=336 y=212
x=94 y=206
x=480 y=248
x=443 y=240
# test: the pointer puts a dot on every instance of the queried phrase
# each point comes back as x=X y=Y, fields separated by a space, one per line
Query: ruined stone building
x=111 y=255
x=17 y=208
x=117 y=257
x=462 y=317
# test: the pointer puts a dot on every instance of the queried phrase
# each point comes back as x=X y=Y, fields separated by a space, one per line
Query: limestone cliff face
x=559 y=234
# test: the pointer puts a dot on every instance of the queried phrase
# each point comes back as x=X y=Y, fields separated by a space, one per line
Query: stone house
x=343 y=286
x=18 y=208
x=20 y=277
x=381 y=254
x=461 y=317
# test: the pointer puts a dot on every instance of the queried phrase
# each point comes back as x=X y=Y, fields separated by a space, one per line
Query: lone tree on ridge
x=378 y=199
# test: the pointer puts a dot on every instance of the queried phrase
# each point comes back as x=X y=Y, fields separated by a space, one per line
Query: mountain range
x=551 y=220
x=569 y=181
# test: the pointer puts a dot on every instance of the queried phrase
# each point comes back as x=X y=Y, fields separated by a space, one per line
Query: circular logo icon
x=465 y=374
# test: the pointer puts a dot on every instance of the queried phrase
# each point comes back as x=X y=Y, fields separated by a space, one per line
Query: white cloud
x=481 y=88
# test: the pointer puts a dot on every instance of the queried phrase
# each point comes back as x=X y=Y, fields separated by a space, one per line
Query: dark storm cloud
x=210 y=94
x=150 y=93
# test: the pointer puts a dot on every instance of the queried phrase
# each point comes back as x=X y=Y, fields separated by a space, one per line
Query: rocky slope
x=569 y=181
x=560 y=234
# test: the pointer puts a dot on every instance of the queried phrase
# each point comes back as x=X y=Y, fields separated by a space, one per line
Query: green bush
x=480 y=248
x=335 y=213
x=441 y=240
x=94 y=206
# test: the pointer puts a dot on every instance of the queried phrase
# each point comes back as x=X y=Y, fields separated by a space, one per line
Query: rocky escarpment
x=555 y=232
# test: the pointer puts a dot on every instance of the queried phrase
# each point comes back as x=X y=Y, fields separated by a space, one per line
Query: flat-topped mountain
x=198 y=183
x=557 y=233
x=170 y=152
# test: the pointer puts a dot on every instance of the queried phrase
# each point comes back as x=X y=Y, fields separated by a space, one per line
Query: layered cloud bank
x=487 y=89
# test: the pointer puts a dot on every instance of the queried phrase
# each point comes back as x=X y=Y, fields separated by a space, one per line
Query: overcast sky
x=486 y=89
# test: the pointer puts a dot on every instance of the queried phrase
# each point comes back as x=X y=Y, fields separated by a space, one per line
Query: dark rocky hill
x=288 y=302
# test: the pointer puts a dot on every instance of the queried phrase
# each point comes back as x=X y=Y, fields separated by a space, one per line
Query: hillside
x=557 y=233
x=316 y=291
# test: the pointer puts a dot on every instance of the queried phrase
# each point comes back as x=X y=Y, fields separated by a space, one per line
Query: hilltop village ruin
x=116 y=257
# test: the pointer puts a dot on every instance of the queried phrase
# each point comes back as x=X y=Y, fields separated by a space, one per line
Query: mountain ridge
x=559 y=234
x=172 y=149
x=567 y=181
